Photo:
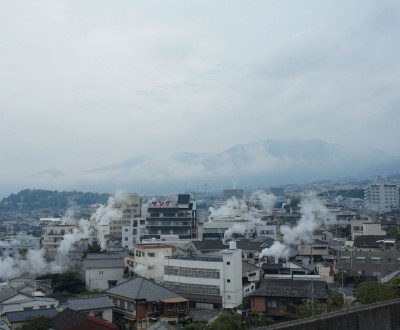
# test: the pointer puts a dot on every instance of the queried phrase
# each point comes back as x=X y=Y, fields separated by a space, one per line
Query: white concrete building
x=132 y=233
x=209 y=280
x=149 y=259
x=103 y=272
x=382 y=196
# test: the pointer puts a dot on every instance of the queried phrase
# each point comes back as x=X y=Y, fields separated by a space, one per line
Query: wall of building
x=384 y=315
x=97 y=278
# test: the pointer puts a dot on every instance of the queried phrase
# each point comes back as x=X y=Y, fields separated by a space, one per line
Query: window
x=390 y=260
x=375 y=260
x=345 y=259
x=360 y=260
x=271 y=303
x=151 y=254
x=98 y=314
x=228 y=280
x=228 y=262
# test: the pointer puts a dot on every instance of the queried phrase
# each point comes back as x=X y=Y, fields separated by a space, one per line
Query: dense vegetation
x=33 y=199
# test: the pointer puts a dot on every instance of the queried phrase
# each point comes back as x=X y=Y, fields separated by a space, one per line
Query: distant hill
x=32 y=199
x=263 y=163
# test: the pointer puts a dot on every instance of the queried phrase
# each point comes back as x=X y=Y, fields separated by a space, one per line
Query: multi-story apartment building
x=132 y=233
x=53 y=237
x=382 y=196
x=131 y=209
x=148 y=260
x=372 y=256
x=209 y=280
x=169 y=218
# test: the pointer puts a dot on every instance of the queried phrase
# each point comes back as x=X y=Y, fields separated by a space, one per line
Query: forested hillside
x=31 y=199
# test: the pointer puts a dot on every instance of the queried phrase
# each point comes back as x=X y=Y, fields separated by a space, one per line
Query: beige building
x=148 y=260
x=53 y=237
x=131 y=209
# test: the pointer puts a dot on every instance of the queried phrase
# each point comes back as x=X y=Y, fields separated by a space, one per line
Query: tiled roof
x=66 y=318
x=81 y=304
x=7 y=293
x=296 y=288
x=104 y=263
x=24 y=315
x=161 y=326
x=368 y=241
x=140 y=288
x=103 y=256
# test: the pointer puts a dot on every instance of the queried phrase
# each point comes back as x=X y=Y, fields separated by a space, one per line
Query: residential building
x=69 y=319
x=371 y=257
x=53 y=237
x=103 y=270
x=209 y=281
x=251 y=275
x=364 y=228
x=148 y=260
x=10 y=246
x=170 y=218
x=278 y=297
x=131 y=209
x=97 y=306
x=17 y=319
x=138 y=300
x=132 y=233
x=382 y=196
x=12 y=301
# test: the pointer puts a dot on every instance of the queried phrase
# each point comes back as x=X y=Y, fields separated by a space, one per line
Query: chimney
x=232 y=245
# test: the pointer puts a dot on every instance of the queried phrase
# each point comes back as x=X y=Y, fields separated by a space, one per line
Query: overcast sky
x=89 y=83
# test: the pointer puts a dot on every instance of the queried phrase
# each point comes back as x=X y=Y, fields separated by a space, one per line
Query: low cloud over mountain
x=260 y=164
x=263 y=163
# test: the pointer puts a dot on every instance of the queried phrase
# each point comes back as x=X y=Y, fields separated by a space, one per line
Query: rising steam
x=312 y=213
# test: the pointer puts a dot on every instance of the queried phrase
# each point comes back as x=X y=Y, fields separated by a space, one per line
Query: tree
x=95 y=247
x=335 y=301
x=23 y=251
x=370 y=292
x=224 y=322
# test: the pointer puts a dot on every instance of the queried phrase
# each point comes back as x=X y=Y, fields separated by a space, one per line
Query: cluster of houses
x=166 y=263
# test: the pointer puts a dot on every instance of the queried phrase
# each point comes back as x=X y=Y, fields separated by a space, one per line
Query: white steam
x=312 y=213
x=261 y=198
x=237 y=228
x=231 y=208
x=33 y=263
x=277 y=250
x=154 y=267
x=83 y=231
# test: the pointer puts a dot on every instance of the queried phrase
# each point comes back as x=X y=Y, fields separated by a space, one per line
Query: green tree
x=37 y=323
x=95 y=247
x=23 y=251
x=370 y=292
x=225 y=322
x=335 y=301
